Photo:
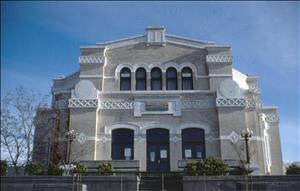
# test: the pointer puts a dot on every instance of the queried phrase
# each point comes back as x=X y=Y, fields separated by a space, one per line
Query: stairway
x=154 y=182
x=150 y=182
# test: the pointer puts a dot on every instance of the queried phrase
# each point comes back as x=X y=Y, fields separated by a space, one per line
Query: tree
x=293 y=169
x=18 y=109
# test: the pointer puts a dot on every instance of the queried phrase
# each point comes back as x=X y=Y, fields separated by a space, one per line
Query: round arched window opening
x=187 y=78
x=193 y=143
x=156 y=79
x=171 y=79
x=125 y=79
x=122 y=144
x=141 y=79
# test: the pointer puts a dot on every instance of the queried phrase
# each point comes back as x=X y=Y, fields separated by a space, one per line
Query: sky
x=40 y=41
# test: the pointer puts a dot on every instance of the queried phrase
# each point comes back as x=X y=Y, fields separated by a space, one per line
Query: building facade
x=161 y=100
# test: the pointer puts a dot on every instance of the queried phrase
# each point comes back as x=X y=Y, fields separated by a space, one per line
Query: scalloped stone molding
x=91 y=60
x=218 y=59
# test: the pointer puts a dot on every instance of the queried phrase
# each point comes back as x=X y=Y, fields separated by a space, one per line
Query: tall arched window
x=193 y=143
x=171 y=79
x=122 y=144
x=125 y=79
x=140 y=79
x=156 y=79
x=187 y=78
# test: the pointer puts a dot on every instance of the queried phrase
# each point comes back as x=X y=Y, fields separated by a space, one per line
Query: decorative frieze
x=233 y=137
x=272 y=118
x=83 y=103
x=198 y=104
x=218 y=59
x=237 y=102
x=231 y=102
x=185 y=104
x=252 y=103
x=116 y=104
x=91 y=60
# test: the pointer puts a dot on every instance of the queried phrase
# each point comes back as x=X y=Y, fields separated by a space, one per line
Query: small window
x=156 y=79
x=171 y=79
x=125 y=79
x=193 y=143
x=122 y=144
x=141 y=79
x=187 y=79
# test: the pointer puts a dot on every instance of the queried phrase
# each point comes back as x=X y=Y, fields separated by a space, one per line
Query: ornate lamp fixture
x=70 y=135
x=247 y=134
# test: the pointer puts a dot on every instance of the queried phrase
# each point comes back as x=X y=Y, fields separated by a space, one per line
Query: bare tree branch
x=18 y=109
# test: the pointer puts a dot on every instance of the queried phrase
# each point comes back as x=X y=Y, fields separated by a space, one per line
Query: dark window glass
x=122 y=144
x=193 y=143
x=125 y=79
x=187 y=78
x=171 y=79
x=141 y=79
x=156 y=79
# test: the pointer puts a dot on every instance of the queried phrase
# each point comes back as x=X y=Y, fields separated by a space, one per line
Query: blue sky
x=40 y=40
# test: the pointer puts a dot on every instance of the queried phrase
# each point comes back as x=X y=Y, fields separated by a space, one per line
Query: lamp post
x=247 y=134
x=70 y=135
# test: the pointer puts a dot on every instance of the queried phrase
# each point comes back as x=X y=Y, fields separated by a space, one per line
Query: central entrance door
x=158 y=155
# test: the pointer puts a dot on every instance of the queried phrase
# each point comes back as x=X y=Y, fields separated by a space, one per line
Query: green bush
x=54 y=170
x=192 y=169
x=80 y=169
x=33 y=168
x=105 y=169
x=3 y=167
x=293 y=169
x=210 y=167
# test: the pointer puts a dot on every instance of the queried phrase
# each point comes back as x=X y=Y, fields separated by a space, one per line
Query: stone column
x=179 y=82
x=164 y=85
x=175 y=151
x=140 y=151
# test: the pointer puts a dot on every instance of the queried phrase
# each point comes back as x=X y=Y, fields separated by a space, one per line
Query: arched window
x=156 y=79
x=193 y=143
x=187 y=78
x=140 y=79
x=122 y=144
x=171 y=79
x=125 y=79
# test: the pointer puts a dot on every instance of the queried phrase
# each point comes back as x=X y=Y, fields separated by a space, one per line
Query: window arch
x=193 y=143
x=140 y=79
x=125 y=79
x=187 y=78
x=156 y=79
x=122 y=144
x=171 y=79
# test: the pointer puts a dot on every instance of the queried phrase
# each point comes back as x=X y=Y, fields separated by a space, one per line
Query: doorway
x=158 y=155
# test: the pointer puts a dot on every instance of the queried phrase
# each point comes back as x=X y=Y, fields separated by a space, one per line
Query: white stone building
x=158 y=101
